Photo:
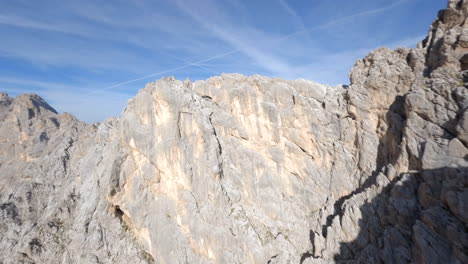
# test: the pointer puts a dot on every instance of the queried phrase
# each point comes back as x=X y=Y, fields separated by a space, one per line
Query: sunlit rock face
x=233 y=167
x=240 y=169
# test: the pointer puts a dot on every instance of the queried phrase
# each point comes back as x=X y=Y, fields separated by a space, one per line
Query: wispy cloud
x=237 y=41
x=109 y=50
x=344 y=19
x=361 y=14
x=301 y=27
x=88 y=22
x=272 y=64
x=12 y=20
x=155 y=74
x=295 y=17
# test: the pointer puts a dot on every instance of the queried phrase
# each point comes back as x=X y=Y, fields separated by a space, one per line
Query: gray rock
x=238 y=169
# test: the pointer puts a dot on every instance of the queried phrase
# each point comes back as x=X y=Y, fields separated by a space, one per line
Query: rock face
x=240 y=169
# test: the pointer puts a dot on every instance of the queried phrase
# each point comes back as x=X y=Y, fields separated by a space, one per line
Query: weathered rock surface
x=240 y=169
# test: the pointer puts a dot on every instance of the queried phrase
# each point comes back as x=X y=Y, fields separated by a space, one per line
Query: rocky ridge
x=240 y=169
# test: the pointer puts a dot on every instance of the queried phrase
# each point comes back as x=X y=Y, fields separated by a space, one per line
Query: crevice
x=149 y=160
x=464 y=62
x=272 y=258
x=55 y=122
x=303 y=150
x=305 y=256
x=207 y=97
x=196 y=202
x=147 y=256
x=43 y=137
x=118 y=213
x=124 y=219
x=220 y=160
x=225 y=193
x=252 y=226
x=178 y=124
x=115 y=174
x=31 y=113
x=220 y=149
x=66 y=157
x=25 y=258
x=309 y=254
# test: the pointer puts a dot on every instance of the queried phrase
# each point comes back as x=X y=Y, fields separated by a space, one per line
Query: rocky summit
x=240 y=169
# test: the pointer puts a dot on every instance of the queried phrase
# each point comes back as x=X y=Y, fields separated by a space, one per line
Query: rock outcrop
x=240 y=169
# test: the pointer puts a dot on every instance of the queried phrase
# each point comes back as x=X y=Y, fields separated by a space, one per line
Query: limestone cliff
x=240 y=169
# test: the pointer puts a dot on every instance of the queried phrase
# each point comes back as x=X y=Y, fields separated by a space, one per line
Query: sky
x=88 y=57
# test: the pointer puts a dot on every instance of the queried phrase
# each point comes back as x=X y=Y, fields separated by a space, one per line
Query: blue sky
x=88 y=57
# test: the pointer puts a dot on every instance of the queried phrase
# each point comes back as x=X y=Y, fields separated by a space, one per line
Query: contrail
x=195 y=63
x=368 y=12
x=343 y=19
